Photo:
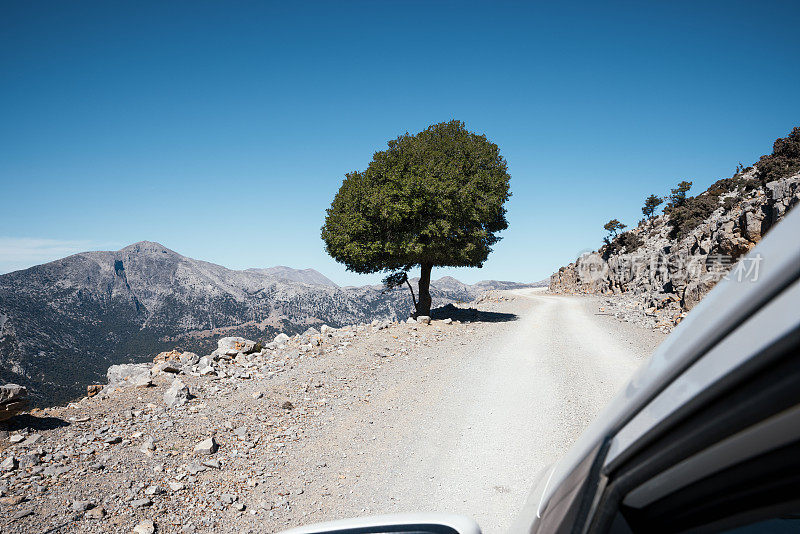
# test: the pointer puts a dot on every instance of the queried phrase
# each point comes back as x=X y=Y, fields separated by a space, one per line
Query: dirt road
x=467 y=424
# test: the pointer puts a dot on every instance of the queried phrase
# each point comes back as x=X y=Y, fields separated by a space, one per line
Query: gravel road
x=467 y=424
x=374 y=418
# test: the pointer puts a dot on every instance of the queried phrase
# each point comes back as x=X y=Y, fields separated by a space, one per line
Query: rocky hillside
x=666 y=265
x=64 y=323
x=185 y=443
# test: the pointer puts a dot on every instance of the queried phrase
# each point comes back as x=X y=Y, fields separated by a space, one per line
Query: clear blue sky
x=223 y=129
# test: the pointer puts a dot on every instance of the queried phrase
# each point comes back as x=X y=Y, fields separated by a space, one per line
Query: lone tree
x=435 y=198
x=650 y=205
x=612 y=227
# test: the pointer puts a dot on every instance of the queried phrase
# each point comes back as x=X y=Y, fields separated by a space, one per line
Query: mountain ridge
x=66 y=321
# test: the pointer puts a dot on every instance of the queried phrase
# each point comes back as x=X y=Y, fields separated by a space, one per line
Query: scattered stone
x=113 y=440
x=194 y=468
x=153 y=490
x=424 y=319
x=176 y=486
x=95 y=513
x=206 y=447
x=9 y=464
x=213 y=463
x=21 y=514
x=93 y=389
x=287 y=405
x=16 y=438
x=141 y=503
x=448 y=321
x=148 y=445
x=32 y=440
x=145 y=527
x=257 y=395
x=12 y=500
x=81 y=506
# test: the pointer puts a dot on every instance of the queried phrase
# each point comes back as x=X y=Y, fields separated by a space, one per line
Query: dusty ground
x=449 y=417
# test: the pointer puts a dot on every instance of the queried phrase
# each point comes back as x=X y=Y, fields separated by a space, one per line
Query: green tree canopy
x=650 y=204
x=678 y=195
x=435 y=198
x=613 y=227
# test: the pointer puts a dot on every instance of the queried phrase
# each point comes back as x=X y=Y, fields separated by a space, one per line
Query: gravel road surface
x=467 y=424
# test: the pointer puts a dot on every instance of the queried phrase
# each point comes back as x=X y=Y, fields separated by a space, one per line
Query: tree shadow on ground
x=26 y=420
x=471 y=314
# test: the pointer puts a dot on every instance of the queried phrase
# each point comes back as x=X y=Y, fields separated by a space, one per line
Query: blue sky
x=223 y=129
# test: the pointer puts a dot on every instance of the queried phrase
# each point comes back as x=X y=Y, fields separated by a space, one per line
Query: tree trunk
x=424 y=303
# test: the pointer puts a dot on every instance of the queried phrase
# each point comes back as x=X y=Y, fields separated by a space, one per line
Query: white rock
x=236 y=344
x=424 y=319
x=448 y=321
x=189 y=358
x=9 y=464
x=281 y=338
x=207 y=446
x=145 y=527
x=177 y=394
x=148 y=445
x=117 y=374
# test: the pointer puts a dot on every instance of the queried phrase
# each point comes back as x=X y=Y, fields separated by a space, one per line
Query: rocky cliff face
x=64 y=323
x=662 y=276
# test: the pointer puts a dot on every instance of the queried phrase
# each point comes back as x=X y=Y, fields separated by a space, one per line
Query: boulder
x=127 y=372
x=93 y=389
x=237 y=344
x=177 y=394
x=172 y=366
x=13 y=400
x=281 y=338
x=189 y=358
x=424 y=319
x=166 y=356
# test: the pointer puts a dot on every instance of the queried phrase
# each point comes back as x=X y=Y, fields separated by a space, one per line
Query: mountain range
x=62 y=324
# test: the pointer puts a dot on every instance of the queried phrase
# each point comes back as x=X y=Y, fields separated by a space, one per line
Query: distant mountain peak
x=148 y=247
